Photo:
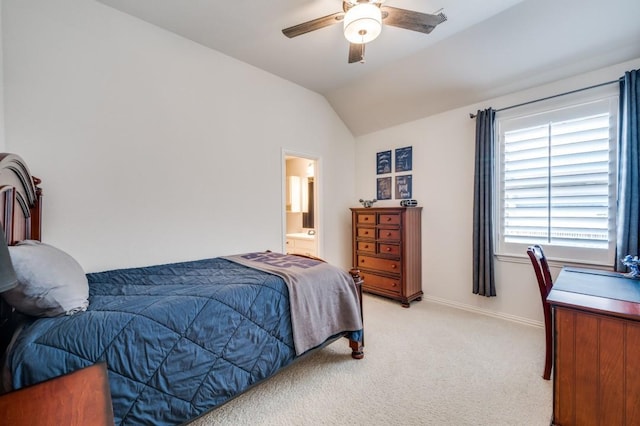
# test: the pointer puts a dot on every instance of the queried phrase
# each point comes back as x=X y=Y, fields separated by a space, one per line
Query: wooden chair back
x=545 y=283
x=541 y=268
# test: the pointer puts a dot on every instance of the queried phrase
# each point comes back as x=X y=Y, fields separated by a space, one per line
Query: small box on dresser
x=387 y=247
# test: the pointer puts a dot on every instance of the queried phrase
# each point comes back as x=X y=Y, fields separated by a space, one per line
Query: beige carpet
x=426 y=365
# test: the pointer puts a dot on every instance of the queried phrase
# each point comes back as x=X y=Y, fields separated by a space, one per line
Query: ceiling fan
x=363 y=20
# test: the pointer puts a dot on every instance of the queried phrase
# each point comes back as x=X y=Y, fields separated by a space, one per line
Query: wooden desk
x=596 y=369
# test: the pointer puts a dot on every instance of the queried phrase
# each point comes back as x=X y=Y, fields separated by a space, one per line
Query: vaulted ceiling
x=485 y=49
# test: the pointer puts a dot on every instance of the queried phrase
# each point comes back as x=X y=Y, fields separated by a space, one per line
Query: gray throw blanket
x=323 y=298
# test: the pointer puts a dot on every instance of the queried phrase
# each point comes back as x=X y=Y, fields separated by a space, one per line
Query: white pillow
x=50 y=282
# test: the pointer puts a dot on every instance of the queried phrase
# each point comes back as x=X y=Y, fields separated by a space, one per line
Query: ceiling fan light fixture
x=362 y=23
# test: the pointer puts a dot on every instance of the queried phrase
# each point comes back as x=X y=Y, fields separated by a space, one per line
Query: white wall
x=443 y=167
x=156 y=149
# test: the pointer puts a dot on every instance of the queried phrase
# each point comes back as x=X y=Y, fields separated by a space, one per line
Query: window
x=557 y=181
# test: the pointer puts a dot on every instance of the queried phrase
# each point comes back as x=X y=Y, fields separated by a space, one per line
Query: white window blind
x=557 y=182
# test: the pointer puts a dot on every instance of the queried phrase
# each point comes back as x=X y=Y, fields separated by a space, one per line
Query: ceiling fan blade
x=313 y=25
x=411 y=20
x=356 y=53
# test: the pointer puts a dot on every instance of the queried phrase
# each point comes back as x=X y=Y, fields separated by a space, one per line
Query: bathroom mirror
x=300 y=198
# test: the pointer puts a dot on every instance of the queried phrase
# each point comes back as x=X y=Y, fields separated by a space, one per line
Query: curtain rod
x=471 y=115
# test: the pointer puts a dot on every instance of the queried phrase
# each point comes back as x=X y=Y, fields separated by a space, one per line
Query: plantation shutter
x=556 y=180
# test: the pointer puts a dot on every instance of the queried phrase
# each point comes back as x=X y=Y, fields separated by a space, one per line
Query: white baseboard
x=471 y=308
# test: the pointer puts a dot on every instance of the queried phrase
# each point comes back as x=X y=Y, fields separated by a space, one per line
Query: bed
x=178 y=339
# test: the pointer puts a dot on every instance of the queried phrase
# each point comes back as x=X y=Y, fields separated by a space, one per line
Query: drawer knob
x=366 y=218
x=366 y=246
x=388 y=248
x=393 y=266
x=388 y=219
x=388 y=234
x=362 y=261
x=394 y=284
x=366 y=232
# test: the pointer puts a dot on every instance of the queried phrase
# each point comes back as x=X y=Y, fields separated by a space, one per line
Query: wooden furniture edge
x=594 y=304
x=78 y=398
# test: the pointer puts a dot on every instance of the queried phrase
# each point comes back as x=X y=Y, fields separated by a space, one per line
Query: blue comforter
x=178 y=339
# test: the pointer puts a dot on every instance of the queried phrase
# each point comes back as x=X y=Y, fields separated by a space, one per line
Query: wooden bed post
x=36 y=212
x=357 y=346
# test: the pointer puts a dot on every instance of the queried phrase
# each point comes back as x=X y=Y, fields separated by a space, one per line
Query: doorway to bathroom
x=301 y=203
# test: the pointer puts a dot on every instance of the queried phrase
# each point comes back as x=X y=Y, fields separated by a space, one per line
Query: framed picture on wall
x=383 y=162
x=403 y=187
x=404 y=159
x=384 y=188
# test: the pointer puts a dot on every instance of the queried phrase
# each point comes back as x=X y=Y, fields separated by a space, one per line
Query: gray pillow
x=50 y=282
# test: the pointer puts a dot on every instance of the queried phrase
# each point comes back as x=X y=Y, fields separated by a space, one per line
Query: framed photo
x=404 y=159
x=403 y=187
x=383 y=162
x=384 y=188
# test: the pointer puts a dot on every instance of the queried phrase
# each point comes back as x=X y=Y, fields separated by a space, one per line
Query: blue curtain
x=483 y=270
x=629 y=169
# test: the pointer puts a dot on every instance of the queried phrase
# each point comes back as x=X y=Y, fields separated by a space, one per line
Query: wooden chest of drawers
x=387 y=249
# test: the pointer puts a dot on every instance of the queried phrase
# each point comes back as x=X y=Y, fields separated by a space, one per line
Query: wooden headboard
x=21 y=199
x=20 y=218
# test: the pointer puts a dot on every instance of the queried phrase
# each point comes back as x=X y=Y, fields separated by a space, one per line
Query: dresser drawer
x=385 y=265
x=389 y=234
x=389 y=219
x=381 y=283
x=366 y=233
x=367 y=246
x=367 y=218
x=391 y=249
